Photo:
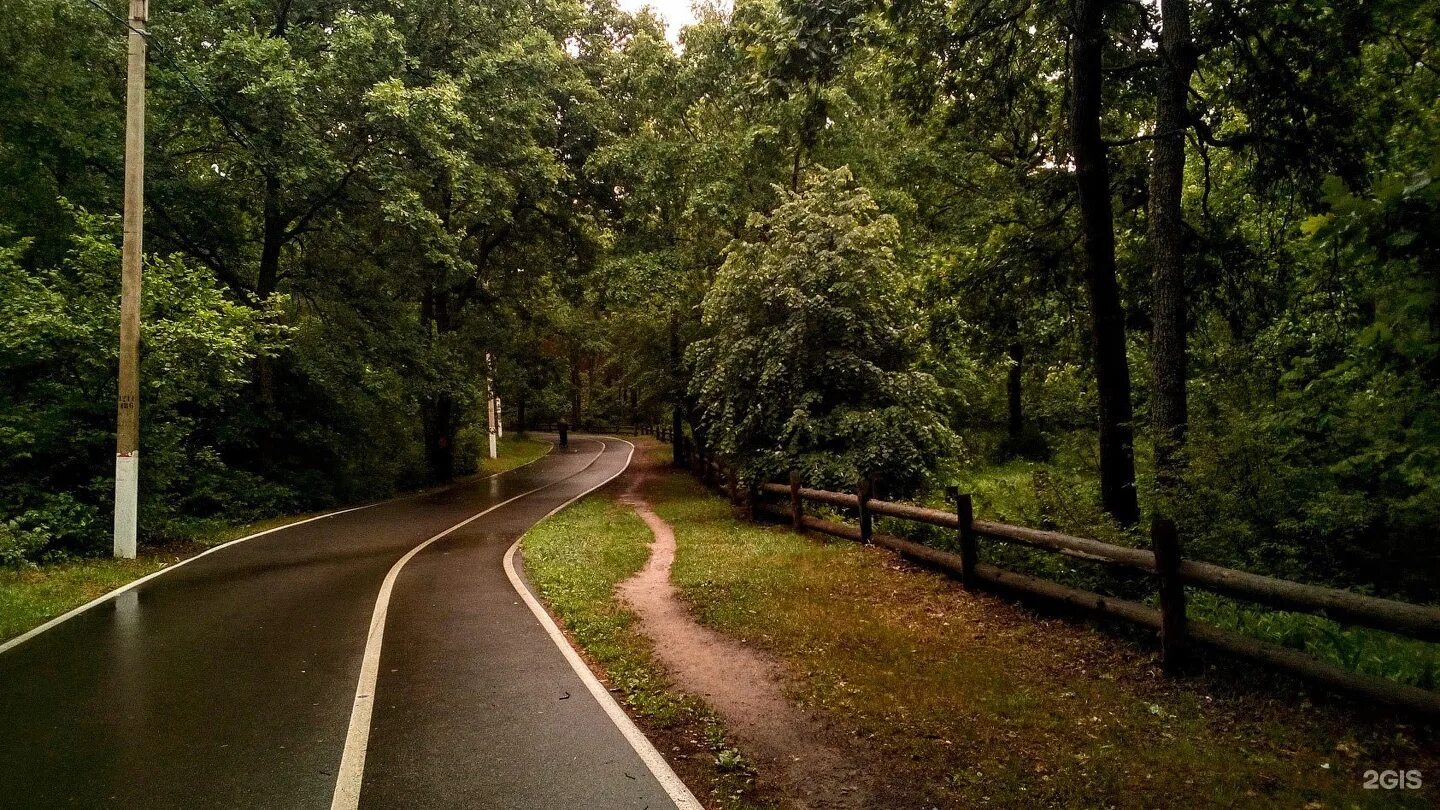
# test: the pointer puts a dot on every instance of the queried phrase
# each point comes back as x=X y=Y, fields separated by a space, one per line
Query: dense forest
x=1093 y=259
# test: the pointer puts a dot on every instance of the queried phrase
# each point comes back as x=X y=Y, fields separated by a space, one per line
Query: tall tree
x=1097 y=223
x=1168 y=361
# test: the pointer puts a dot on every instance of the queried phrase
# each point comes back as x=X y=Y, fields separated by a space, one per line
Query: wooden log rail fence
x=659 y=431
x=1163 y=561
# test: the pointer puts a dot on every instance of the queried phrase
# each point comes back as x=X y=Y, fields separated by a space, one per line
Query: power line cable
x=231 y=126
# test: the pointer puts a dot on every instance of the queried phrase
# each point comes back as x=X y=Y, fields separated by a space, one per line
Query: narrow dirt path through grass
x=952 y=699
x=744 y=686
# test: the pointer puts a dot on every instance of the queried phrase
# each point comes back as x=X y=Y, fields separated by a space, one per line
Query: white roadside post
x=499 y=417
x=491 y=416
x=127 y=429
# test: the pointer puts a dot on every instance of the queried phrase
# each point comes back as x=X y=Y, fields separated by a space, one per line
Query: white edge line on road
x=15 y=642
x=351 y=775
x=664 y=774
x=29 y=634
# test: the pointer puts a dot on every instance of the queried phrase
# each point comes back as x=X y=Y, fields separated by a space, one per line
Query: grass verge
x=576 y=559
x=987 y=705
x=30 y=597
x=514 y=450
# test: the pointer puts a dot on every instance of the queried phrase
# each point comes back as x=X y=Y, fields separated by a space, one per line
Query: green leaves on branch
x=811 y=341
x=58 y=355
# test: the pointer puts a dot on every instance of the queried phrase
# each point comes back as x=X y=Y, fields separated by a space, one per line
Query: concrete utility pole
x=127 y=431
x=492 y=416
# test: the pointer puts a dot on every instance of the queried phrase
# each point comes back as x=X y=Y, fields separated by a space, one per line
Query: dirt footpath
x=814 y=768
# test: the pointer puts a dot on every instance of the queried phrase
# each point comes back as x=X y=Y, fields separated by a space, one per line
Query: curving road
x=239 y=679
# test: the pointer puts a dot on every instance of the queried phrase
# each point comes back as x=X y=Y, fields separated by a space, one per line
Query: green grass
x=514 y=450
x=576 y=559
x=988 y=705
x=32 y=596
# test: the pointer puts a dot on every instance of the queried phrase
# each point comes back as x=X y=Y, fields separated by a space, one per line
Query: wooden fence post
x=863 y=493
x=969 y=546
x=797 y=508
x=749 y=495
x=1165 y=541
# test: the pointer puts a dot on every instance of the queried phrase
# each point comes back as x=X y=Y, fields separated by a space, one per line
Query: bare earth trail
x=230 y=680
x=742 y=685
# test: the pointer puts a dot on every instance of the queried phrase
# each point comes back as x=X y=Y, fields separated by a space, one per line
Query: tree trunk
x=575 y=390
x=1092 y=177
x=267 y=278
x=1167 y=242
x=272 y=239
x=520 y=414
x=1012 y=385
x=677 y=438
x=437 y=409
x=438 y=415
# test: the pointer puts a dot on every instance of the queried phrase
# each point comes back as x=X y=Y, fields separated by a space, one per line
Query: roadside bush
x=18 y=546
x=58 y=359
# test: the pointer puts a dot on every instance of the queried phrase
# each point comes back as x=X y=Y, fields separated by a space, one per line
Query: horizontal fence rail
x=1171 y=571
x=1418 y=621
x=659 y=431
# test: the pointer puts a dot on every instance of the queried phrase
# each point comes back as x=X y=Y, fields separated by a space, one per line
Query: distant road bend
x=386 y=656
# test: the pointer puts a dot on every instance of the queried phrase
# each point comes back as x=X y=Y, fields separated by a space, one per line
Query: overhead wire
x=231 y=126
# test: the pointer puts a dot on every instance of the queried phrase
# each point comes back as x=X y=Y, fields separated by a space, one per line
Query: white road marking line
x=26 y=636
x=357 y=739
x=15 y=642
x=664 y=774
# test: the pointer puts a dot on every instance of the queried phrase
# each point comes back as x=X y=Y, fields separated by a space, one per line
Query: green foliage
x=808 y=362
x=19 y=546
x=352 y=204
x=1359 y=649
x=58 y=349
x=1322 y=461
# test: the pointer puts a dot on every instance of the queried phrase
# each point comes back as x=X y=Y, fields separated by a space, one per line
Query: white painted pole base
x=127 y=496
x=492 y=414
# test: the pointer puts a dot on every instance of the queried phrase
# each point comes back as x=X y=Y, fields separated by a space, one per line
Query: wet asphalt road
x=229 y=682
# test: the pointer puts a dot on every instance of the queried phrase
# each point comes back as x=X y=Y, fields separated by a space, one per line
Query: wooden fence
x=662 y=432
x=1163 y=562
